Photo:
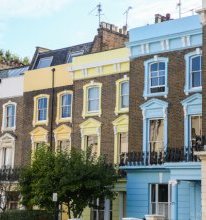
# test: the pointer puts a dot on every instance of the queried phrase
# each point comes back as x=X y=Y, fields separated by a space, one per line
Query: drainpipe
x=52 y=110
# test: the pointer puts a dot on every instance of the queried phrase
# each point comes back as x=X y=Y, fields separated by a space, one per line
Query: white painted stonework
x=11 y=87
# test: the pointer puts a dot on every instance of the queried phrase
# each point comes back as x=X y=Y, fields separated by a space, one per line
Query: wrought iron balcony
x=9 y=174
x=183 y=154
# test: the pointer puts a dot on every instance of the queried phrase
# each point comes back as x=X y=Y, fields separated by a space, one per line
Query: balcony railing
x=184 y=154
x=9 y=174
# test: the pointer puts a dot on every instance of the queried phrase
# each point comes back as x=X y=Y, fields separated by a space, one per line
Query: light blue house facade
x=163 y=175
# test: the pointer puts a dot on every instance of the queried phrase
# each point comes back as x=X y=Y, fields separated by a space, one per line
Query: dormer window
x=44 y=62
x=74 y=54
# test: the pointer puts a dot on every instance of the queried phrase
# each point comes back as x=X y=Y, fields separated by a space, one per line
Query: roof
x=60 y=56
x=165 y=28
x=13 y=72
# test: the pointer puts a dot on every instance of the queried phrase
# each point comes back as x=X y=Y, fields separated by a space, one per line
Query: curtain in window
x=93 y=99
x=66 y=106
x=156 y=135
x=123 y=142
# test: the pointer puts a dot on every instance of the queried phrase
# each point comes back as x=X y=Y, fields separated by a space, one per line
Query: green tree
x=77 y=177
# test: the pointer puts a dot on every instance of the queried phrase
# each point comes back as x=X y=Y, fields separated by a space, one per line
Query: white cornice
x=99 y=64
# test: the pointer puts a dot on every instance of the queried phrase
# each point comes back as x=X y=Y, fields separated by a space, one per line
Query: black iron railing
x=184 y=154
x=9 y=174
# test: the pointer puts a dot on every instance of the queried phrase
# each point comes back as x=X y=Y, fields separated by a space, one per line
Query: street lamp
x=54 y=199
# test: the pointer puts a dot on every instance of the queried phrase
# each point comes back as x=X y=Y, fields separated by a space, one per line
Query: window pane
x=163 y=193
x=93 y=93
x=154 y=82
x=162 y=66
x=161 y=73
x=125 y=101
x=196 y=79
x=154 y=67
x=153 y=193
x=93 y=105
x=66 y=106
x=196 y=126
x=162 y=80
x=154 y=74
x=196 y=63
x=125 y=88
x=42 y=109
x=44 y=62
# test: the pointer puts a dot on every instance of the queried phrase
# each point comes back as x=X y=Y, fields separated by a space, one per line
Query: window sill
x=8 y=129
x=89 y=114
x=62 y=120
x=40 y=123
x=120 y=111
x=155 y=94
x=192 y=90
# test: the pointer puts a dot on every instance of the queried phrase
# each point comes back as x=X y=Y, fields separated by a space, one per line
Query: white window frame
x=61 y=105
x=188 y=73
x=46 y=109
x=88 y=100
x=42 y=60
x=4 y=119
x=7 y=141
x=147 y=77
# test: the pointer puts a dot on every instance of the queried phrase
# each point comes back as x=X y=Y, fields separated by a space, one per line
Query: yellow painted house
x=96 y=71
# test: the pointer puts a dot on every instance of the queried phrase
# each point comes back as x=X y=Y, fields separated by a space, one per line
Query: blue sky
x=25 y=24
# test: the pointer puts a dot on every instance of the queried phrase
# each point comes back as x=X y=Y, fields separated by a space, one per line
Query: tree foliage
x=77 y=177
x=10 y=57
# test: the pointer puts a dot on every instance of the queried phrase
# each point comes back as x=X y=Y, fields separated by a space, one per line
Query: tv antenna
x=99 y=12
x=179 y=5
x=127 y=14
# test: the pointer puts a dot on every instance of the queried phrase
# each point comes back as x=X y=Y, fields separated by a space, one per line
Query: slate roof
x=60 y=56
x=13 y=72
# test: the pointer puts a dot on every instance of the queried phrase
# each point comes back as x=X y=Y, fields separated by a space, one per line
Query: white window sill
x=8 y=129
x=192 y=90
x=155 y=95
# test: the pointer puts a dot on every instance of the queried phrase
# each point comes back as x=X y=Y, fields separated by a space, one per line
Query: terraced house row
x=138 y=99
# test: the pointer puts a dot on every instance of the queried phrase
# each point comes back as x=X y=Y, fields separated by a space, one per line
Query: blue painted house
x=165 y=121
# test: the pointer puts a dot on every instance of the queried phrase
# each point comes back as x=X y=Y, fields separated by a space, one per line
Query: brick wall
x=176 y=82
x=107 y=117
x=28 y=118
x=18 y=133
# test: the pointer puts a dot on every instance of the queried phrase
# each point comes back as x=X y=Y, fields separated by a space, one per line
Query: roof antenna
x=127 y=13
x=99 y=12
x=179 y=5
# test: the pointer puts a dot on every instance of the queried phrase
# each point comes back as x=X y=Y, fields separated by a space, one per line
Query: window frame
x=59 y=119
x=36 y=120
x=147 y=76
x=4 y=118
x=7 y=141
x=85 y=112
x=42 y=59
x=118 y=106
x=188 y=72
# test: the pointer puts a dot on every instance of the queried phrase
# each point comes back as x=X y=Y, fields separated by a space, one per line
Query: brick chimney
x=109 y=37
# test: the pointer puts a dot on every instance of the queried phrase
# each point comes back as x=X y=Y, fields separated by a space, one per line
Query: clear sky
x=25 y=24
